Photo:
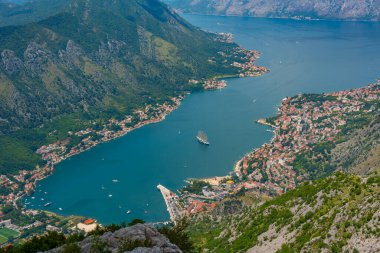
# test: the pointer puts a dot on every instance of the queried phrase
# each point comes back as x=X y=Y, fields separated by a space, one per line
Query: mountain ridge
x=94 y=61
x=300 y=9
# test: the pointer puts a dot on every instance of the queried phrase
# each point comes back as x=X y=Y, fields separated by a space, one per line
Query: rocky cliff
x=318 y=9
x=335 y=214
x=140 y=238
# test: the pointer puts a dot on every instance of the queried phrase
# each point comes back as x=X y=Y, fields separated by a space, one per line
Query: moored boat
x=202 y=138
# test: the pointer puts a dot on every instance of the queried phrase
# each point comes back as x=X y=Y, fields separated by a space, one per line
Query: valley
x=101 y=103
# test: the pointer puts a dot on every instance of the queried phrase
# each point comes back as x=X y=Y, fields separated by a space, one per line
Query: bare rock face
x=11 y=63
x=116 y=242
x=70 y=56
x=108 y=51
x=36 y=56
x=146 y=45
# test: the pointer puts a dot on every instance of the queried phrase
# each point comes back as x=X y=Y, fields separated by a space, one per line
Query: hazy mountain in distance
x=19 y=12
x=318 y=9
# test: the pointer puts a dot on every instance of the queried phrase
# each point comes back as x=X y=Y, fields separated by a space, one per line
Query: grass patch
x=6 y=234
x=3 y=239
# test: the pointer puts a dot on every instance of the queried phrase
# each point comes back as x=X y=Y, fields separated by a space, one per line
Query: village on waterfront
x=25 y=182
x=302 y=122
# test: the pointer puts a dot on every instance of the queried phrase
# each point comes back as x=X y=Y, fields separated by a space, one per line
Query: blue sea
x=303 y=56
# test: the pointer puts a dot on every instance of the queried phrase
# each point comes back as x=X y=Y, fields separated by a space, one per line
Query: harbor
x=158 y=154
x=171 y=201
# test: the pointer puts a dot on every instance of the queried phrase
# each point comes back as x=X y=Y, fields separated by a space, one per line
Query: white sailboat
x=202 y=138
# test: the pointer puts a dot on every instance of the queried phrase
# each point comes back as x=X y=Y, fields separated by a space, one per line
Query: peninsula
x=22 y=183
x=306 y=130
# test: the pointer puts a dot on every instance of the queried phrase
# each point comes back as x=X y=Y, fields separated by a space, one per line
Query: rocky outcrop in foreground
x=140 y=238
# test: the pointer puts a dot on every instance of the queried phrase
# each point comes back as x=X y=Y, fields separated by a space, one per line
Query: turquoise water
x=302 y=56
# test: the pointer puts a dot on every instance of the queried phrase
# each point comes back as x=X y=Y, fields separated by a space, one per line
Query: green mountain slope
x=339 y=212
x=336 y=214
x=92 y=61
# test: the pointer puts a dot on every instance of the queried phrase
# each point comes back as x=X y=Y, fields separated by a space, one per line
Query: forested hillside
x=93 y=61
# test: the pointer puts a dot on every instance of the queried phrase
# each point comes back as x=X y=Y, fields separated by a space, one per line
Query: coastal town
x=58 y=151
x=243 y=59
x=14 y=188
x=184 y=126
x=302 y=121
x=301 y=124
x=26 y=181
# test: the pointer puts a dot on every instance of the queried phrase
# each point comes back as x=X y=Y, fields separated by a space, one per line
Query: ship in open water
x=202 y=138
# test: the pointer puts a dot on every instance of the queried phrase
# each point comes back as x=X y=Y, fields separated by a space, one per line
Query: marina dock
x=171 y=201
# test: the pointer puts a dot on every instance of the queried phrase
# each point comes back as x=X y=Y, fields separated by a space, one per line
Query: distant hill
x=19 y=12
x=85 y=61
x=317 y=9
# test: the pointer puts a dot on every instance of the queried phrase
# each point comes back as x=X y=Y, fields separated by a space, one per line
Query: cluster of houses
x=25 y=181
x=50 y=225
x=58 y=151
x=247 y=65
x=6 y=182
x=226 y=37
x=302 y=121
x=214 y=84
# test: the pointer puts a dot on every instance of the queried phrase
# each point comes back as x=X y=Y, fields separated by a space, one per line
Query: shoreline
x=265 y=123
x=49 y=168
x=236 y=166
x=247 y=68
x=270 y=168
x=83 y=140
x=310 y=19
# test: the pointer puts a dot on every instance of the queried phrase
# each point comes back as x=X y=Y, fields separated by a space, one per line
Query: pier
x=171 y=201
x=264 y=122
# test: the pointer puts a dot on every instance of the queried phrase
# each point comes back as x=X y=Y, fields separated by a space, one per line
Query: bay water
x=303 y=56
